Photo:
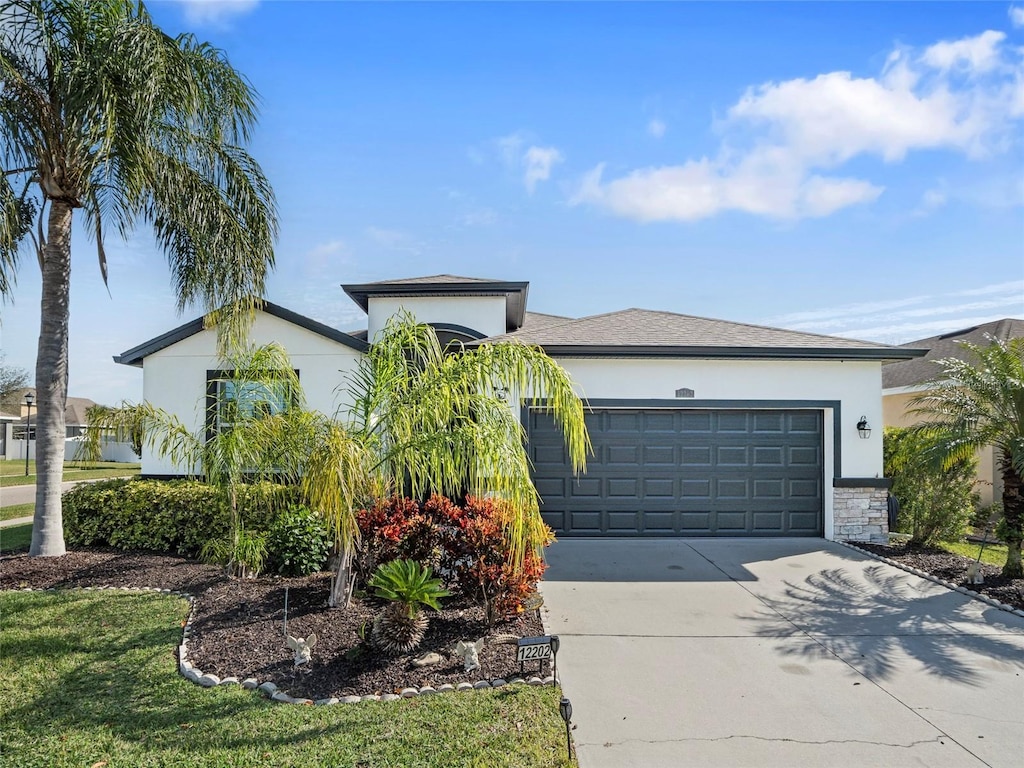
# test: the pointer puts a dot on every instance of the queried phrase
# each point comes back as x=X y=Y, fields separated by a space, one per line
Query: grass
x=96 y=682
x=12 y=472
x=18 y=510
x=994 y=554
x=15 y=538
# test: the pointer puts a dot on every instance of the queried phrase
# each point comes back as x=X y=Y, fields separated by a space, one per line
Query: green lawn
x=15 y=538
x=96 y=684
x=994 y=554
x=13 y=472
x=18 y=510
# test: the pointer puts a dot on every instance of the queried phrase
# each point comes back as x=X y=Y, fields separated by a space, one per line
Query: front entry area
x=684 y=472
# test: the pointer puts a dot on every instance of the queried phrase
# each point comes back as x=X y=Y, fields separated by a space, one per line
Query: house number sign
x=534 y=649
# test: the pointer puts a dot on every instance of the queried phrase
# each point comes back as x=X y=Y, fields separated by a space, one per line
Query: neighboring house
x=905 y=380
x=12 y=446
x=700 y=427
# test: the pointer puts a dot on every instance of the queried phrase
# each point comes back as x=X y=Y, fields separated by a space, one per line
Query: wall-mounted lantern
x=863 y=429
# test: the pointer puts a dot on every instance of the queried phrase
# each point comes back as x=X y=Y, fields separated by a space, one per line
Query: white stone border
x=942 y=582
x=269 y=689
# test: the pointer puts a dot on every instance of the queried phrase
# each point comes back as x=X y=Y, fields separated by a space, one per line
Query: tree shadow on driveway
x=875 y=618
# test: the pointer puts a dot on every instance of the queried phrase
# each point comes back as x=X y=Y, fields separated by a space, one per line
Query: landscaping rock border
x=269 y=689
x=942 y=582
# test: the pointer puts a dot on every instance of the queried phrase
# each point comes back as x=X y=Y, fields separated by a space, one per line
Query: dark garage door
x=674 y=472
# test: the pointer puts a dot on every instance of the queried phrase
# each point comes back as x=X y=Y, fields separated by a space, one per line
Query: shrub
x=467 y=544
x=297 y=543
x=936 y=504
x=164 y=515
x=478 y=556
x=401 y=529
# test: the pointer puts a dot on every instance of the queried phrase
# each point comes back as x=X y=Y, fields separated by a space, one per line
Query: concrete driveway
x=783 y=652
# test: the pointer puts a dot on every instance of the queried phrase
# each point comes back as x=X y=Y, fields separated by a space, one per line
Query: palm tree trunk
x=343 y=583
x=1013 y=517
x=52 y=384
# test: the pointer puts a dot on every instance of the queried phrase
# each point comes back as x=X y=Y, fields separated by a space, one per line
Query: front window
x=232 y=400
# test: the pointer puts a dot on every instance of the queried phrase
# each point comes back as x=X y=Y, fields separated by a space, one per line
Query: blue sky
x=853 y=169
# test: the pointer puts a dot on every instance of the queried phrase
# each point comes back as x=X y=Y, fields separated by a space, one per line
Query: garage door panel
x=661 y=488
x=731 y=489
x=654 y=455
x=768 y=522
x=696 y=456
x=696 y=472
x=623 y=523
x=731 y=455
x=731 y=520
x=805 y=457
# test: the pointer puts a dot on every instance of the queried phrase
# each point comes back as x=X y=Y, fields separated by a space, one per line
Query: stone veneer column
x=860 y=514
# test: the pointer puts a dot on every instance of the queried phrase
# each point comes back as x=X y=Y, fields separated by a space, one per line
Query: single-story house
x=12 y=446
x=700 y=427
x=904 y=380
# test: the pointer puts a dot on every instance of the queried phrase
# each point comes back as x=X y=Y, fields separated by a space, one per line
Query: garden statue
x=303 y=648
x=427 y=660
x=470 y=653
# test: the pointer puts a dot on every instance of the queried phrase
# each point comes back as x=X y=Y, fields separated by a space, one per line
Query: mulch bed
x=238 y=626
x=952 y=568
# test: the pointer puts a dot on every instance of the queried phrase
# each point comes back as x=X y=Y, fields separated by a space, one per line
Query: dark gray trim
x=515 y=293
x=135 y=355
x=461 y=329
x=861 y=482
x=731 y=353
x=169 y=477
x=614 y=402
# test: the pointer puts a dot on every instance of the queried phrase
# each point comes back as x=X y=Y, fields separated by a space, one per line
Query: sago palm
x=970 y=405
x=408 y=587
x=103 y=114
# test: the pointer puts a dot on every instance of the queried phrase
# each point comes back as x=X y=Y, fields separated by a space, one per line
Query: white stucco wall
x=175 y=377
x=485 y=314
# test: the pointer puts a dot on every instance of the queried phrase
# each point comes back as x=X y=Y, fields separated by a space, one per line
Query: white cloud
x=656 y=128
x=901 y=320
x=1016 y=13
x=783 y=141
x=216 y=12
x=978 y=54
x=539 y=161
x=394 y=240
x=535 y=162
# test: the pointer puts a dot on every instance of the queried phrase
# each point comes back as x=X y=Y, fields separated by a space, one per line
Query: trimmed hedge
x=165 y=515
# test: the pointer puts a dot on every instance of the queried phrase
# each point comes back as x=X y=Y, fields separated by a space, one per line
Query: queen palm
x=104 y=114
x=973 y=405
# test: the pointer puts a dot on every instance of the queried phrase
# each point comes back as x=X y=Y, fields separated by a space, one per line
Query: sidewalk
x=15 y=521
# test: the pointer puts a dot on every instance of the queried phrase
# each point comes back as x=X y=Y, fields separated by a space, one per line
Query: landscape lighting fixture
x=863 y=429
x=565 y=710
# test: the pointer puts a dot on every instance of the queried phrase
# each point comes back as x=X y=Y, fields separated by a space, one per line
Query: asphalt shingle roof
x=434 y=279
x=910 y=373
x=652 y=328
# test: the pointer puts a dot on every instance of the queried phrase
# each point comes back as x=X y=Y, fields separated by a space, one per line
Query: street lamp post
x=29 y=399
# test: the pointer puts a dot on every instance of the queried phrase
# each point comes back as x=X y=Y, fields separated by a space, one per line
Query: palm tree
x=423 y=421
x=973 y=405
x=102 y=112
x=233 y=447
x=438 y=419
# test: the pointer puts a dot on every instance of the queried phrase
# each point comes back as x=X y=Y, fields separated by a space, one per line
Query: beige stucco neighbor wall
x=989 y=483
x=175 y=377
